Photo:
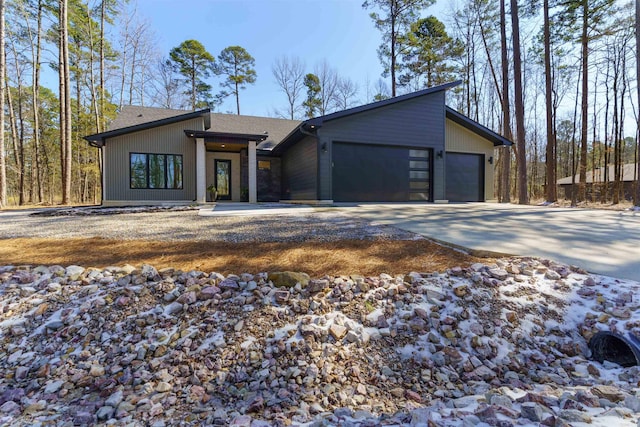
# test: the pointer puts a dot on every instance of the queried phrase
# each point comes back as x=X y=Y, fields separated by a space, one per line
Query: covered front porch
x=231 y=167
x=226 y=163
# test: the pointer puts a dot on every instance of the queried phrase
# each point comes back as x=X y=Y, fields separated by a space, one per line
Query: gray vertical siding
x=418 y=122
x=169 y=139
x=300 y=170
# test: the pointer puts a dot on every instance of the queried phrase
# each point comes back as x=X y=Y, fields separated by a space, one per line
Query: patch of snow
x=248 y=342
x=217 y=340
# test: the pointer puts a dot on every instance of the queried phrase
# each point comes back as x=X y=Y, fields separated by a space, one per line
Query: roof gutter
x=97 y=142
x=307 y=128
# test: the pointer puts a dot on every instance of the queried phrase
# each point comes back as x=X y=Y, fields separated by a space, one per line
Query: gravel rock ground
x=498 y=345
x=188 y=225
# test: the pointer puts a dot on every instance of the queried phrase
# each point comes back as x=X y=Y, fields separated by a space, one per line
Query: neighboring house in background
x=408 y=148
x=597 y=176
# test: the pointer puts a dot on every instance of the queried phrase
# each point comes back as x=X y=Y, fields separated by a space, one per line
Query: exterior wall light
x=439 y=154
x=490 y=160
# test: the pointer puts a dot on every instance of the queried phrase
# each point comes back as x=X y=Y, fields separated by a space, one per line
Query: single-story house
x=407 y=148
x=597 y=177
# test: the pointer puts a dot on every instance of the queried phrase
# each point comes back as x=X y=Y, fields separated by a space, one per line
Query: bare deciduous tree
x=166 y=91
x=289 y=75
x=346 y=92
x=328 y=79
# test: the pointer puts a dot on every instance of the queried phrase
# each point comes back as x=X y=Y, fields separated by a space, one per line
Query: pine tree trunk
x=506 y=113
x=582 y=186
x=20 y=139
x=637 y=192
x=605 y=174
x=65 y=103
x=616 y=142
x=551 y=194
x=95 y=94
x=102 y=123
x=238 y=98
x=35 y=56
x=394 y=38
x=14 y=134
x=521 y=155
x=3 y=161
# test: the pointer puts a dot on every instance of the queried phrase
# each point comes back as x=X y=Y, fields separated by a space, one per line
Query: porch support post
x=201 y=173
x=253 y=180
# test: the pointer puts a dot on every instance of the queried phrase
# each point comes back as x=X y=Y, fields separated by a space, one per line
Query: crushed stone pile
x=500 y=345
x=101 y=210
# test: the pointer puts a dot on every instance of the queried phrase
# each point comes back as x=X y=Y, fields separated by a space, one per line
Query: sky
x=338 y=31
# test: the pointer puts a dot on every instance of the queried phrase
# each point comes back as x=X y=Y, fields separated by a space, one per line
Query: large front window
x=155 y=170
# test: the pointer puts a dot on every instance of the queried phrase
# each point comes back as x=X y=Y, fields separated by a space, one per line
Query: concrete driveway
x=600 y=241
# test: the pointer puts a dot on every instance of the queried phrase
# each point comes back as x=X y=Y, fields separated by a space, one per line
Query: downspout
x=100 y=145
x=102 y=182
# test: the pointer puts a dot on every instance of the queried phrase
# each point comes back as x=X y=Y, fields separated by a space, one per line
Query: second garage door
x=465 y=177
x=380 y=173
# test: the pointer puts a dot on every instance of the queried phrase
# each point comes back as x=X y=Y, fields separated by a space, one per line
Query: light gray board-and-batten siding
x=300 y=170
x=168 y=139
x=418 y=122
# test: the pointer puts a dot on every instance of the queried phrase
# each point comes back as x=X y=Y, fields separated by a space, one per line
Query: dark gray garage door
x=465 y=177
x=378 y=173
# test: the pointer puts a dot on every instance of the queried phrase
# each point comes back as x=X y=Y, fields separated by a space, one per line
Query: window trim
x=165 y=172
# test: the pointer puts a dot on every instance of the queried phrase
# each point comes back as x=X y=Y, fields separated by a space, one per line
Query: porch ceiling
x=225 y=141
x=232 y=147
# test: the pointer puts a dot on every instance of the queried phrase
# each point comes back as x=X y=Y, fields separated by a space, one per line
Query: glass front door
x=223 y=179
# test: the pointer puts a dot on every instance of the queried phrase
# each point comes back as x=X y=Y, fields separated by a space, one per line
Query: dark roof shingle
x=133 y=115
x=277 y=129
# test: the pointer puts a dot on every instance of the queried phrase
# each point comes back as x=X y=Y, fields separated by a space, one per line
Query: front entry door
x=223 y=179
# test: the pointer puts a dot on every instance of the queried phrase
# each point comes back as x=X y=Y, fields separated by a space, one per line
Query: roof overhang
x=477 y=128
x=100 y=139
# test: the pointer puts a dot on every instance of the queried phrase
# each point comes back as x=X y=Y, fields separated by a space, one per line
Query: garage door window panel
x=419 y=175
x=419 y=185
x=419 y=164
